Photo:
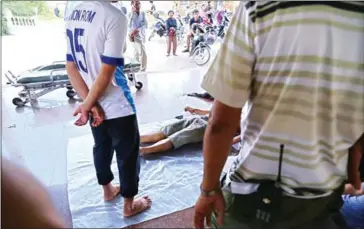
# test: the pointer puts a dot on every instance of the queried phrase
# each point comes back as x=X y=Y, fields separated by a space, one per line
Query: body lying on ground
x=181 y=132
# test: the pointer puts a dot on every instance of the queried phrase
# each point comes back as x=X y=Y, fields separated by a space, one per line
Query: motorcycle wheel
x=201 y=56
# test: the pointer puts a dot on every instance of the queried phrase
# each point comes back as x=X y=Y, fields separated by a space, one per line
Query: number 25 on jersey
x=77 y=48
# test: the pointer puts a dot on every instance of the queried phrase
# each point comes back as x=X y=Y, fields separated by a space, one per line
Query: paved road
x=46 y=43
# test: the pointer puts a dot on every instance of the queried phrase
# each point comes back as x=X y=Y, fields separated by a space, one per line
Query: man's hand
x=84 y=115
x=96 y=111
x=351 y=190
x=98 y=115
x=135 y=31
x=189 y=109
x=204 y=208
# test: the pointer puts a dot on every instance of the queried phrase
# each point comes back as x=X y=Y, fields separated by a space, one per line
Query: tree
x=27 y=8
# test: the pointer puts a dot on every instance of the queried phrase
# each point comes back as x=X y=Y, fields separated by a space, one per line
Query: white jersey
x=96 y=33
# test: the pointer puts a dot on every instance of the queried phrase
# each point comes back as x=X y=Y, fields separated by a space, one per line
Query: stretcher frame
x=32 y=91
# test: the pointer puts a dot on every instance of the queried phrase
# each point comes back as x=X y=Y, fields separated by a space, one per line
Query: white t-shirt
x=96 y=34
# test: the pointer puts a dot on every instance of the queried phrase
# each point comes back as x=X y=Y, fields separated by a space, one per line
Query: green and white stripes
x=301 y=65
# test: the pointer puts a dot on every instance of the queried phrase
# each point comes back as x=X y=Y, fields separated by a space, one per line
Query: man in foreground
x=137 y=25
x=96 y=34
x=306 y=107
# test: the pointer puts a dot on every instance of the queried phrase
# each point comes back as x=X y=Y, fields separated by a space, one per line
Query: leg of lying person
x=191 y=131
x=125 y=139
x=103 y=154
x=153 y=137
x=159 y=147
x=165 y=131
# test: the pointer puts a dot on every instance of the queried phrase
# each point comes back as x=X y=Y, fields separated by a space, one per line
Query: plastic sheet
x=171 y=180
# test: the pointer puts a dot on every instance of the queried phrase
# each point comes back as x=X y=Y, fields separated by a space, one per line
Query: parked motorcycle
x=210 y=34
x=201 y=51
x=159 y=27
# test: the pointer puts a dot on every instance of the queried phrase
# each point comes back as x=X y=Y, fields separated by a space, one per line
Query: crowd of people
x=138 y=25
x=302 y=136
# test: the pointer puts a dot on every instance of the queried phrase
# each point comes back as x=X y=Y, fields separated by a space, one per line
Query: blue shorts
x=353 y=210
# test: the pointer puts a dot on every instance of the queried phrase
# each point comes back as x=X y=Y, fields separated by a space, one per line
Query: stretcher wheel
x=18 y=102
x=131 y=76
x=69 y=87
x=138 y=85
x=70 y=94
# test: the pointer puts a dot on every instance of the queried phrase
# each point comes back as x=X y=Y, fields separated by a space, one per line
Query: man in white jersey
x=96 y=33
x=305 y=92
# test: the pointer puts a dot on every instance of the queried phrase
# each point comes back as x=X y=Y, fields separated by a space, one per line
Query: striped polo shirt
x=299 y=69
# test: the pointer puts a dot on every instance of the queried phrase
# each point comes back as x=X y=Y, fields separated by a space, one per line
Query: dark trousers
x=122 y=136
x=293 y=213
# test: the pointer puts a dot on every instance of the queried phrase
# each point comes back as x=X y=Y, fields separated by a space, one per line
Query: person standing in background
x=152 y=8
x=171 y=26
x=137 y=25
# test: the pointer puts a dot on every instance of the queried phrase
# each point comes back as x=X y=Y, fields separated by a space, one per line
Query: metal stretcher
x=47 y=78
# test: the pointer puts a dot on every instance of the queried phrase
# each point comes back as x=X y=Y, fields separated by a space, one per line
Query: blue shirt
x=353 y=210
x=171 y=23
x=138 y=21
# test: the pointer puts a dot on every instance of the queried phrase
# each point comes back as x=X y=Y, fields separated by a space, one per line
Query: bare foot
x=111 y=192
x=139 y=205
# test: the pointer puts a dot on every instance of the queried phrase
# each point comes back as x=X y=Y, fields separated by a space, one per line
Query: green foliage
x=27 y=8
x=4 y=26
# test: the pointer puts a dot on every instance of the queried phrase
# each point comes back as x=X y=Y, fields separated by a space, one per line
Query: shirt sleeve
x=191 y=21
x=115 y=40
x=167 y=24
x=230 y=75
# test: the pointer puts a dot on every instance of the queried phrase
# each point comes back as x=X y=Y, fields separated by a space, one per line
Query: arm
x=167 y=25
x=230 y=86
x=25 y=202
x=355 y=155
x=217 y=142
x=74 y=75
x=197 y=111
x=76 y=80
x=111 y=58
x=236 y=139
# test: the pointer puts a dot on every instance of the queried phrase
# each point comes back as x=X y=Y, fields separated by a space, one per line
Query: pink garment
x=202 y=13
x=219 y=17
